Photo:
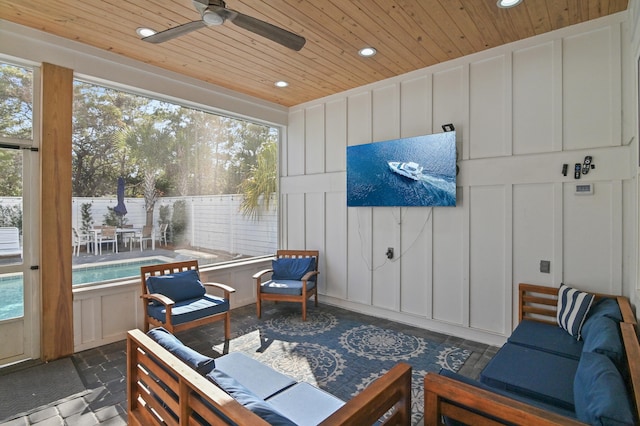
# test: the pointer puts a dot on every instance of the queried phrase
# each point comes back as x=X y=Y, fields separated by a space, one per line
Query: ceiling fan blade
x=267 y=30
x=174 y=32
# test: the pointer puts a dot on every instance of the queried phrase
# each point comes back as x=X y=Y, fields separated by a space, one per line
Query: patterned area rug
x=341 y=356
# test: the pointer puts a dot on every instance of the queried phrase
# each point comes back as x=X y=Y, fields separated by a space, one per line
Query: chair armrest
x=225 y=288
x=392 y=390
x=161 y=298
x=444 y=396
x=258 y=275
x=308 y=275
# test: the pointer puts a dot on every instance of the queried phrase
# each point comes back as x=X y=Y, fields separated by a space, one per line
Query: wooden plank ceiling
x=408 y=35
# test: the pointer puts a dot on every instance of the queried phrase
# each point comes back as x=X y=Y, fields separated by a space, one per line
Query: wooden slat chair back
x=309 y=283
x=172 y=268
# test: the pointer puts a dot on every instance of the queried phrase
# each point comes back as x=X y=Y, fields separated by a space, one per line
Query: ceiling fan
x=215 y=12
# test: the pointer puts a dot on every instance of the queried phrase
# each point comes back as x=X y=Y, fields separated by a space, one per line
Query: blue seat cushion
x=260 y=379
x=190 y=310
x=290 y=287
x=604 y=337
x=180 y=286
x=305 y=404
x=512 y=395
x=248 y=399
x=533 y=374
x=292 y=268
x=546 y=337
x=601 y=397
x=201 y=363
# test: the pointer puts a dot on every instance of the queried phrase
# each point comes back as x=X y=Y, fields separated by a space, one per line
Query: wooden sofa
x=471 y=404
x=158 y=384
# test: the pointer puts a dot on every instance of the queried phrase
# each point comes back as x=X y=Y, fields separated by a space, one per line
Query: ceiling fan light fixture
x=145 y=32
x=281 y=83
x=504 y=4
x=367 y=52
x=212 y=18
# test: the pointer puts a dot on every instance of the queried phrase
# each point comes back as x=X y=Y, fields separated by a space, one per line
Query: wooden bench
x=161 y=389
x=444 y=396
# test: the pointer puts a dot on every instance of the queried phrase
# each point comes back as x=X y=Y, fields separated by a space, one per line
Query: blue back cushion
x=602 y=335
x=605 y=307
x=599 y=392
x=248 y=399
x=573 y=306
x=202 y=364
x=177 y=287
x=288 y=268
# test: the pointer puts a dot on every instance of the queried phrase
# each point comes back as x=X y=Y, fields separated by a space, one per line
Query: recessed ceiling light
x=145 y=32
x=281 y=83
x=508 y=3
x=367 y=51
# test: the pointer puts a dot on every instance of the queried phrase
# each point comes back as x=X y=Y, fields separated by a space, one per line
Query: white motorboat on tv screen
x=411 y=170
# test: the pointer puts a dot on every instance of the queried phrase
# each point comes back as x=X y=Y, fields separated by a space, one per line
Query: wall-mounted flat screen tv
x=417 y=171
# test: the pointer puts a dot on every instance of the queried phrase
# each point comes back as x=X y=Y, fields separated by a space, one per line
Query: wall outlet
x=389 y=253
x=545 y=266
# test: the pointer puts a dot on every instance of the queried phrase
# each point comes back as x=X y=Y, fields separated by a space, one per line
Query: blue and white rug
x=342 y=356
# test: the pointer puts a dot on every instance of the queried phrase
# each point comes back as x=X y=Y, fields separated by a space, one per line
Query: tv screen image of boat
x=408 y=172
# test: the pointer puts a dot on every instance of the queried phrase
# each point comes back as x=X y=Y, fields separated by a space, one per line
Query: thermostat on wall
x=584 y=189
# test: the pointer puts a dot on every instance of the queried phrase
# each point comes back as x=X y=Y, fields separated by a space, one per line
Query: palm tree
x=258 y=189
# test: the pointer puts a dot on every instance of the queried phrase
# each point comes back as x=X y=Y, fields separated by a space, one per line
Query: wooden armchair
x=173 y=297
x=289 y=288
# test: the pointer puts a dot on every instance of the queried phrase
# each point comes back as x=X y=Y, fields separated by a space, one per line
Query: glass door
x=19 y=290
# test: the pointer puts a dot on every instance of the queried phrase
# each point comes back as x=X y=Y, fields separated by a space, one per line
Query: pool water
x=12 y=294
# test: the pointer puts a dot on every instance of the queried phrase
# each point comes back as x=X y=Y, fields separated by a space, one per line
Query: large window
x=16 y=132
x=174 y=182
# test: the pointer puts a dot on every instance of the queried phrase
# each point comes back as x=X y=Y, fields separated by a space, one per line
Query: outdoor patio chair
x=142 y=237
x=293 y=279
x=108 y=235
x=80 y=239
x=173 y=297
x=163 y=233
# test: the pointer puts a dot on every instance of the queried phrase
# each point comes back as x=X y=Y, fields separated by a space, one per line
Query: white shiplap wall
x=521 y=111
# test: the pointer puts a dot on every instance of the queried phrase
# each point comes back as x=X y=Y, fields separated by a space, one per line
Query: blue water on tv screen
x=418 y=171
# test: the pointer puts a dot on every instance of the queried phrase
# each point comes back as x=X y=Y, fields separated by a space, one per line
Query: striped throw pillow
x=573 y=306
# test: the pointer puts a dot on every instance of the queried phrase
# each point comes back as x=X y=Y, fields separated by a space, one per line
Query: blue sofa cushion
x=248 y=399
x=177 y=287
x=532 y=373
x=605 y=307
x=601 y=397
x=202 y=364
x=546 y=337
x=292 y=268
x=189 y=310
x=295 y=403
x=604 y=338
x=260 y=379
x=291 y=287
x=573 y=306
x=512 y=395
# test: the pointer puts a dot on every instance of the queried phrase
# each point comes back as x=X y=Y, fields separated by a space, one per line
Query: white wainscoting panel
x=590 y=77
x=449 y=287
x=415 y=107
x=314 y=139
x=488 y=126
x=535 y=110
x=416 y=260
x=386 y=113
x=335 y=253
x=293 y=156
x=359 y=220
x=386 y=273
x=336 y=136
x=488 y=258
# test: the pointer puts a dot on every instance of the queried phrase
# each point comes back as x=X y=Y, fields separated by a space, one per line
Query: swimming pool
x=12 y=294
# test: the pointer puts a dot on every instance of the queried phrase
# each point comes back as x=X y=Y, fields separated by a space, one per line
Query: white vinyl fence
x=214 y=222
